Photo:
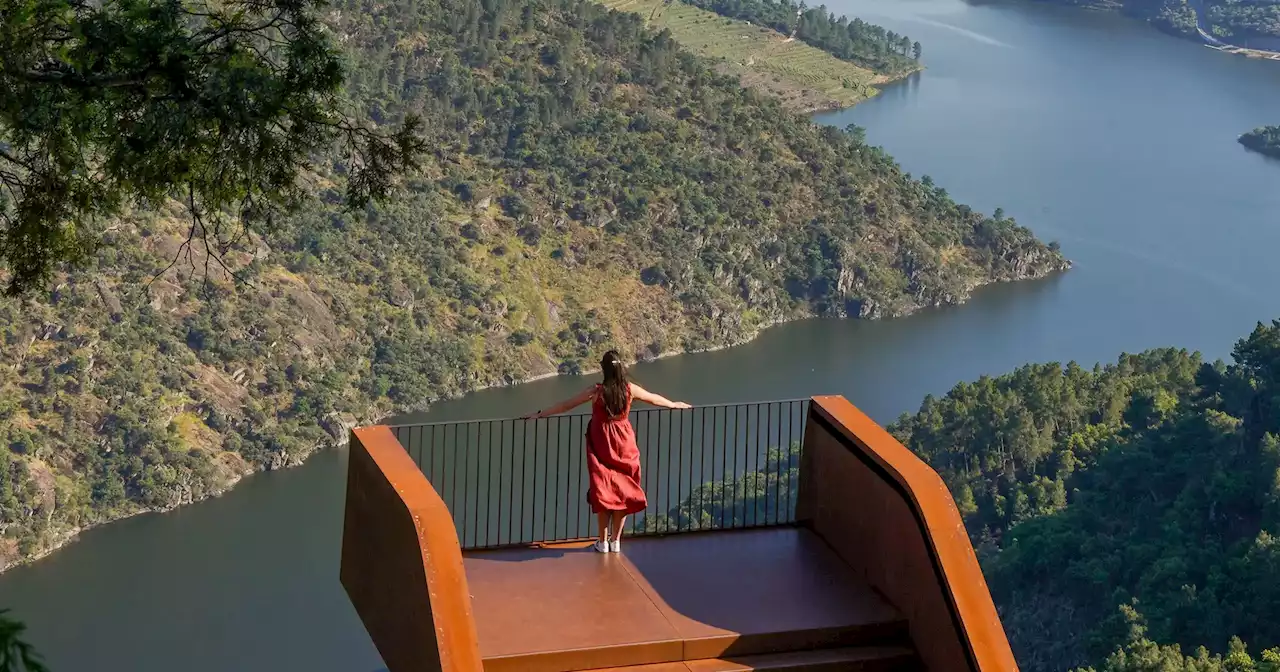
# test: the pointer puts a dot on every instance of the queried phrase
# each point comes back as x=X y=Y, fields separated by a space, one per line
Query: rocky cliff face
x=927 y=278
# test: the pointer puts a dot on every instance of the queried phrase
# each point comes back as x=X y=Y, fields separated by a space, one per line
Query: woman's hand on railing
x=680 y=405
x=568 y=404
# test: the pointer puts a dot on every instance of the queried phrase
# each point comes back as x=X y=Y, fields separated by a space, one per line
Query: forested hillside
x=1124 y=505
x=1242 y=23
x=587 y=185
x=1252 y=23
x=1127 y=516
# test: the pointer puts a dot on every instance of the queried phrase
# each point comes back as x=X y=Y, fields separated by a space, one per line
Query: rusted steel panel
x=401 y=562
x=892 y=519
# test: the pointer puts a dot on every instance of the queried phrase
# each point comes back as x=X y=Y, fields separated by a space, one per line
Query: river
x=1096 y=131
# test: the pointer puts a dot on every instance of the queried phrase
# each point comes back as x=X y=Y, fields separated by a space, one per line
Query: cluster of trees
x=1140 y=654
x=1264 y=139
x=1241 y=21
x=1009 y=446
x=1149 y=487
x=856 y=41
x=1173 y=16
x=584 y=184
x=218 y=108
x=1124 y=514
x=762 y=496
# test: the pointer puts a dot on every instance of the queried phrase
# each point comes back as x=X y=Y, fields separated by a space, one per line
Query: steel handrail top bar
x=583 y=415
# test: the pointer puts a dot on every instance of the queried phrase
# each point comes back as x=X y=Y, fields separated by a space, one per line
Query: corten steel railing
x=516 y=482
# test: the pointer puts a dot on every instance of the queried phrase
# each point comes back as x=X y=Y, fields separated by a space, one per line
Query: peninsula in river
x=808 y=59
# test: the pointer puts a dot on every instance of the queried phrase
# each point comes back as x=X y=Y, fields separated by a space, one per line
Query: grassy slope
x=803 y=77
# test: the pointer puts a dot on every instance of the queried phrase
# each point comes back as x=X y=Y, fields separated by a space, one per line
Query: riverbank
x=337 y=426
x=1204 y=30
x=1187 y=20
x=1247 y=53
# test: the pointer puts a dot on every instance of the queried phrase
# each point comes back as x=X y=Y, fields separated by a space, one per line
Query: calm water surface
x=1100 y=133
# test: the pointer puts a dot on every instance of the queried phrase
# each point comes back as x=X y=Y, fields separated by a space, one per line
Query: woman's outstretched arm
x=658 y=400
x=572 y=402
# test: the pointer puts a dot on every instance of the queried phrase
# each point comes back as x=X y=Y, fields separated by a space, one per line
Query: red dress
x=613 y=461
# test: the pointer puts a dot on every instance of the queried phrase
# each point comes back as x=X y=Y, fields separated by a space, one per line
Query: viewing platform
x=678 y=598
x=791 y=535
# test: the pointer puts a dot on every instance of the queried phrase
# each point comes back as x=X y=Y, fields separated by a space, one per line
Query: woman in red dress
x=613 y=459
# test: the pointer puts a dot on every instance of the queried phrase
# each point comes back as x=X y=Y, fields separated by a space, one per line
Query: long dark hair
x=616 y=387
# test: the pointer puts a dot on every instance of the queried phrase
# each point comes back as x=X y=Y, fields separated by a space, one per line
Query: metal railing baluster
x=728 y=482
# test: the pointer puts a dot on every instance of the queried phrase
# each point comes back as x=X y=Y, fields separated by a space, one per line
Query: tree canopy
x=1264 y=140
x=1144 y=493
x=1123 y=514
x=16 y=655
x=1140 y=654
x=218 y=105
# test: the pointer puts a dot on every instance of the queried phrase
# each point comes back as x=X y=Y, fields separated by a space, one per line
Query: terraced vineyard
x=803 y=77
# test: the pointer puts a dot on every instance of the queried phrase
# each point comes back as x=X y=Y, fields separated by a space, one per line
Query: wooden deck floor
x=667 y=599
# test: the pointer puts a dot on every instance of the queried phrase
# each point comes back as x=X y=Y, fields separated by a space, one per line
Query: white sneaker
x=601 y=546
x=615 y=546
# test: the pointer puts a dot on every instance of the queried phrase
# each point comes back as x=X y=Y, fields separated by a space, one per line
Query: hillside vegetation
x=1264 y=140
x=1241 y=23
x=589 y=185
x=1127 y=516
x=802 y=77
x=1256 y=22
x=1123 y=505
